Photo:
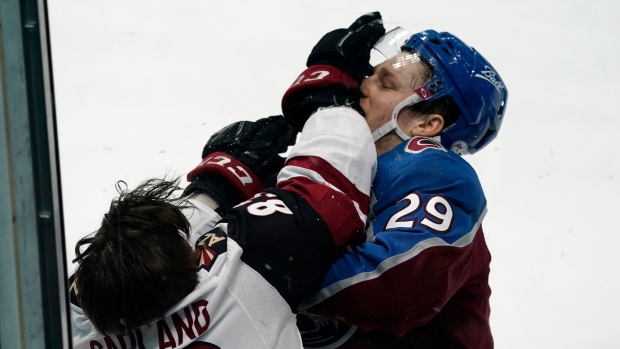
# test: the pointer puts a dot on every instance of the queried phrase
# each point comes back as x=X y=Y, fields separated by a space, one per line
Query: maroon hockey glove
x=241 y=159
x=336 y=67
x=317 y=87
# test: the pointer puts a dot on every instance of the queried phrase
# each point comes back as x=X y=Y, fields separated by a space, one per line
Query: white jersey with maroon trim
x=268 y=253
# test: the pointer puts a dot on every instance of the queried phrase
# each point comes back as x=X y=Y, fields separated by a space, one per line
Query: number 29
x=438 y=215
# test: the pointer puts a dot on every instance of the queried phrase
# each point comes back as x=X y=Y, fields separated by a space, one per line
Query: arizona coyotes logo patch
x=209 y=246
x=73 y=292
x=419 y=144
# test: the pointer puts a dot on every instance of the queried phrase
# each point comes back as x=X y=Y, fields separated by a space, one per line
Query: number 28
x=438 y=214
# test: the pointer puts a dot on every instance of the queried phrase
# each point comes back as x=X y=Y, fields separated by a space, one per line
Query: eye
x=386 y=84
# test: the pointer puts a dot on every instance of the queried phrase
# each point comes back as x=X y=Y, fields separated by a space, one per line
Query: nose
x=364 y=88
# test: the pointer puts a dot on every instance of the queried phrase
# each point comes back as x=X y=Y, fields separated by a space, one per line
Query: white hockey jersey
x=268 y=253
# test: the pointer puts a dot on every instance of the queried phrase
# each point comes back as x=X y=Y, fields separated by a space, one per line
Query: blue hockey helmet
x=461 y=72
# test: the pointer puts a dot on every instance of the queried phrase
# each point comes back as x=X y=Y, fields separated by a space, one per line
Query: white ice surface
x=141 y=84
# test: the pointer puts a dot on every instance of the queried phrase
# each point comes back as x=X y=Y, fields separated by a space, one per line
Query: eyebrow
x=384 y=72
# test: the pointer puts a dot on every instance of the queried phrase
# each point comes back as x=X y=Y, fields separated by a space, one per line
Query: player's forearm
x=332 y=167
x=289 y=234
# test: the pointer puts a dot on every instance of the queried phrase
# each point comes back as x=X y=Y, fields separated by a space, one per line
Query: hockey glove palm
x=241 y=159
x=336 y=67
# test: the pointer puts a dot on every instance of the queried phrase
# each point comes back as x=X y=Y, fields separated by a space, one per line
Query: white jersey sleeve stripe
x=290 y=172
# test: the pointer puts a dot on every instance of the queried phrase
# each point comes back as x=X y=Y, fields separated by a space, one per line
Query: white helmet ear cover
x=393 y=123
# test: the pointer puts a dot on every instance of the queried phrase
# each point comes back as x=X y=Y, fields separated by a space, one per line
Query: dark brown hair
x=139 y=263
x=444 y=106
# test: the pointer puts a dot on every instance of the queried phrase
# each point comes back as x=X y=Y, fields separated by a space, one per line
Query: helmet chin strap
x=393 y=124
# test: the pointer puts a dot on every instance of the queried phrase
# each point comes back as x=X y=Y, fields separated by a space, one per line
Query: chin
x=364 y=109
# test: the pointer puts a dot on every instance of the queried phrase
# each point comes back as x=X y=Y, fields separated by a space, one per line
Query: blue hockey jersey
x=423 y=273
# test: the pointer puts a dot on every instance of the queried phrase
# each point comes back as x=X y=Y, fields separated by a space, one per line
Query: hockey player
x=421 y=278
x=139 y=285
x=158 y=274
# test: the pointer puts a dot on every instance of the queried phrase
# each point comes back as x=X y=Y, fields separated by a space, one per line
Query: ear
x=427 y=126
x=433 y=125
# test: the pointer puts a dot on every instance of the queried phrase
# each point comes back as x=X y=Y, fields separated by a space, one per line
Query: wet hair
x=139 y=263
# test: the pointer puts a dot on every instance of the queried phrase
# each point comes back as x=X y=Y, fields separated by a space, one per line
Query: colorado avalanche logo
x=418 y=144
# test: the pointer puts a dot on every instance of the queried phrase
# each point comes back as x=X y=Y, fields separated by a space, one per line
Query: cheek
x=377 y=117
x=379 y=110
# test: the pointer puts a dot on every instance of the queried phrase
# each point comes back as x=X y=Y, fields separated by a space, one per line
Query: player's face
x=392 y=82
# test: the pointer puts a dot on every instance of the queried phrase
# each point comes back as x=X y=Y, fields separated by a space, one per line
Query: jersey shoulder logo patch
x=418 y=144
x=209 y=246
x=73 y=292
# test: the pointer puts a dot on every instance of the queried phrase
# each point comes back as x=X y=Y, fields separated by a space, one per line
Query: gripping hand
x=336 y=67
x=241 y=159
